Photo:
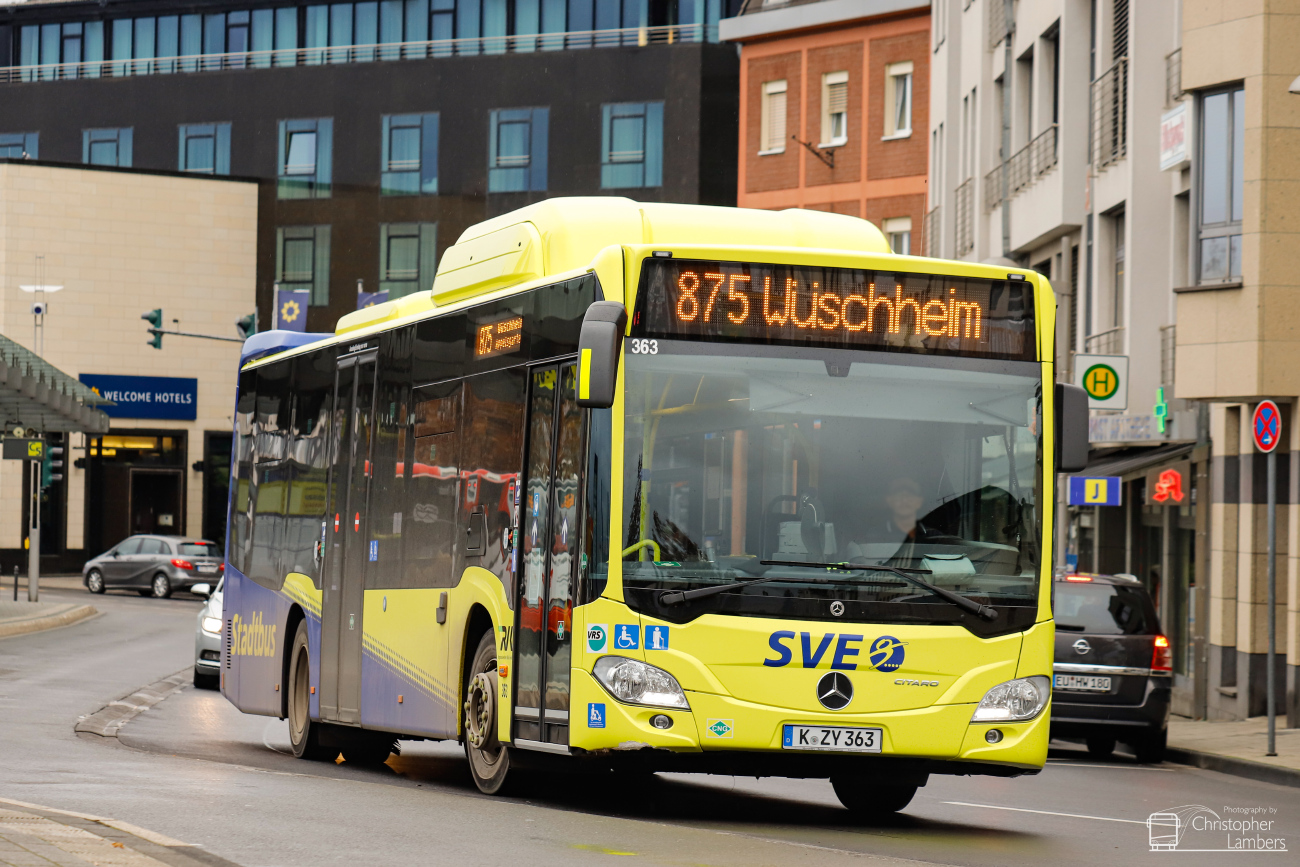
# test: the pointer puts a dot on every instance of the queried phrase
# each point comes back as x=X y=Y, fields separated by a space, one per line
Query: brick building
x=834 y=109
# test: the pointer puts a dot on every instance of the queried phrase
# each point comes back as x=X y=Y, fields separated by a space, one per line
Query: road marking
x=134 y=830
x=1045 y=812
x=1069 y=764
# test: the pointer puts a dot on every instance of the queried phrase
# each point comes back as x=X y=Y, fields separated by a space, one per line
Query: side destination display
x=842 y=307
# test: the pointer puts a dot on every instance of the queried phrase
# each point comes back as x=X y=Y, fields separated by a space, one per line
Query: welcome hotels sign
x=160 y=397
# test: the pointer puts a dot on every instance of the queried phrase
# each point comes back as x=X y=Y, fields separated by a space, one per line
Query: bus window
x=387 y=517
x=271 y=433
x=565 y=527
x=534 y=544
x=241 y=488
x=434 y=479
x=493 y=450
x=313 y=387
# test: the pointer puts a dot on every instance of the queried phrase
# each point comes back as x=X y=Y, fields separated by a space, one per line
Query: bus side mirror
x=598 y=346
x=1071 y=428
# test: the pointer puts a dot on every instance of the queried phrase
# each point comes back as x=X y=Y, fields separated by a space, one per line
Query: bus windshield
x=759 y=461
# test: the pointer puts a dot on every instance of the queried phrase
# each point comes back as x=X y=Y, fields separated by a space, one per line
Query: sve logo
x=886 y=653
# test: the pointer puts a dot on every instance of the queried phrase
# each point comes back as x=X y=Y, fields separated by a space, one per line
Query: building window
x=1117 y=289
x=19 y=146
x=302 y=261
x=898 y=100
x=1222 y=156
x=52 y=44
x=835 y=109
x=306 y=152
x=106 y=147
x=899 y=232
x=632 y=145
x=408 y=257
x=772 y=126
x=204 y=148
x=409 y=161
x=517 y=150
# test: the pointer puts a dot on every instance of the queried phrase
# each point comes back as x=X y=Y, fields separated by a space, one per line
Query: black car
x=1113 y=667
x=154 y=565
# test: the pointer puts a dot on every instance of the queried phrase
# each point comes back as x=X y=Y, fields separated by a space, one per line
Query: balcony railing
x=1168 y=348
x=1110 y=115
x=1033 y=160
x=993 y=187
x=1109 y=342
x=521 y=44
x=1173 y=76
x=965 y=217
x=932 y=238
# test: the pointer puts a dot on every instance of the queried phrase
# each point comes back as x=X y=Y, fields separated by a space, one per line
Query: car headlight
x=634 y=682
x=1014 y=701
x=211 y=625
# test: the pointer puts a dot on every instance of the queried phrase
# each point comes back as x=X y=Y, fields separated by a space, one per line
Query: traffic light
x=155 y=320
x=247 y=326
x=52 y=461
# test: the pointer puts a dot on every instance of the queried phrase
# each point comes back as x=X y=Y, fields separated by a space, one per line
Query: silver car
x=207 y=638
x=154 y=565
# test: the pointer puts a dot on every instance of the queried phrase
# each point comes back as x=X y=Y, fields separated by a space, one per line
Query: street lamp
x=39 y=309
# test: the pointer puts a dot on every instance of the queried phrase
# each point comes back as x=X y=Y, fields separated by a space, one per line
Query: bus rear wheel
x=304 y=735
x=489 y=759
x=868 y=797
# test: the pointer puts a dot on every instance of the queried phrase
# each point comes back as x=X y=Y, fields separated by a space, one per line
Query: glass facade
x=106 y=147
x=409 y=160
x=204 y=148
x=517 y=150
x=632 y=145
x=352 y=33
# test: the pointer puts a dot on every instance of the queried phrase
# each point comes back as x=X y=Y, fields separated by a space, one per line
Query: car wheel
x=489 y=759
x=304 y=734
x=95 y=581
x=1150 y=749
x=206 y=681
x=868 y=797
x=161 y=586
x=1100 y=746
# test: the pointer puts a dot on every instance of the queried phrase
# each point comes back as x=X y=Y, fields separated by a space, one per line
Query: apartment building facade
x=834 y=105
x=1046 y=151
x=381 y=130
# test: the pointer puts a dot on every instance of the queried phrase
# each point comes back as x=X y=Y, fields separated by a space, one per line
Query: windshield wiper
x=984 y=612
x=677 y=597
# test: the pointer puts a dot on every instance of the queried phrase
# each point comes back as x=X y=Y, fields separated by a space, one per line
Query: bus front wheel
x=489 y=759
x=868 y=797
x=304 y=735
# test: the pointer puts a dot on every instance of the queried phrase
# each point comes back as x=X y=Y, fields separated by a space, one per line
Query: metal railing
x=1173 y=76
x=965 y=228
x=627 y=36
x=998 y=24
x=993 y=187
x=931 y=233
x=1110 y=342
x=1110 y=115
x=1168 y=348
x=1033 y=160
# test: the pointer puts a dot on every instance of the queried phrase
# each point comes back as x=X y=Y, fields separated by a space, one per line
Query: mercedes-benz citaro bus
x=660 y=487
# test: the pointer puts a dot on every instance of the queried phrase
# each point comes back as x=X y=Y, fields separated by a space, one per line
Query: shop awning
x=36 y=395
x=1122 y=462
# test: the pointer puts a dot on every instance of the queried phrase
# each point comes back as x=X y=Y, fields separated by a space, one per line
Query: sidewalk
x=22 y=617
x=1237 y=747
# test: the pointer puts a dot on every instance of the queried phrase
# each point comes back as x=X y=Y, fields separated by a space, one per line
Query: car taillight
x=1162 y=657
x=182 y=564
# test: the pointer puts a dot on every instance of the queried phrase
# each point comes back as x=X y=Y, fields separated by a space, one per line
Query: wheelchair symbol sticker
x=626 y=637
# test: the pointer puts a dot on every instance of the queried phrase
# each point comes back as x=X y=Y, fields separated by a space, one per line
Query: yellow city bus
x=657 y=487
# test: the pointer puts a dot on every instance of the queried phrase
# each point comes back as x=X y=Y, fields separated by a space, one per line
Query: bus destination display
x=498 y=338
x=842 y=307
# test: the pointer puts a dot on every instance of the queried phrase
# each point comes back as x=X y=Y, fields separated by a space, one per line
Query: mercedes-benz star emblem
x=835 y=691
x=837 y=608
x=1082 y=646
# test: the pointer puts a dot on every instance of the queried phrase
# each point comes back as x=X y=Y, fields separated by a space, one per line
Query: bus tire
x=489 y=759
x=868 y=797
x=304 y=734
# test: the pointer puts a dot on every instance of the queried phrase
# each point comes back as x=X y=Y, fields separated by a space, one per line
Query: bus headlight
x=1014 y=701
x=634 y=682
x=212 y=625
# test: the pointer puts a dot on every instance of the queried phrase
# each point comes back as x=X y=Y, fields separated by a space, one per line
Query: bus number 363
x=644 y=347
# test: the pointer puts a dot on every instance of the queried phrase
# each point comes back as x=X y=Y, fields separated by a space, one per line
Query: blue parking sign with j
x=596 y=715
x=1095 y=491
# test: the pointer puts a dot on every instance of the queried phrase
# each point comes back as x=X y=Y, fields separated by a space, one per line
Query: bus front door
x=346 y=533
x=550 y=548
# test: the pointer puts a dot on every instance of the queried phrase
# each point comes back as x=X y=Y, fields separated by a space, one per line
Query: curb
x=14 y=626
x=1259 y=771
x=106 y=721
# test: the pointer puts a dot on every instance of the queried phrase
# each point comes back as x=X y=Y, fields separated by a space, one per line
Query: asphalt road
x=195 y=769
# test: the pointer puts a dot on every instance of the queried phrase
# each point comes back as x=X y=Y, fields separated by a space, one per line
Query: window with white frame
x=898 y=100
x=1222 y=156
x=899 y=232
x=772 y=127
x=835 y=108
